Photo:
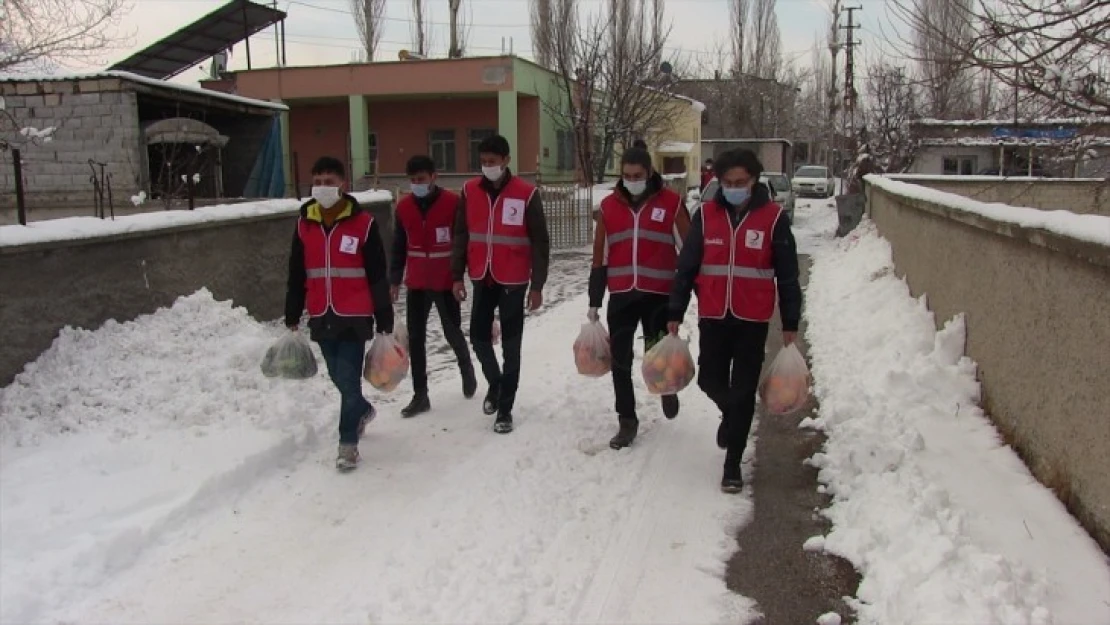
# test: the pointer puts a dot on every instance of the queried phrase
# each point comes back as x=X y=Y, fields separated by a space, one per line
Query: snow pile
x=904 y=436
x=77 y=228
x=814 y=225
x=1091 y=228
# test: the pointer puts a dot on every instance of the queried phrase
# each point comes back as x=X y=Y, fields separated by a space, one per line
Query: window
x=960 y=165
x=476 y=137
x=674 y=164
x=564 y=150
x=441 y=147
x=372 y=154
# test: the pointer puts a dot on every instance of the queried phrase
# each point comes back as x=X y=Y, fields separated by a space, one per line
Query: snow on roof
x=80 y=228
x=1086 y=140
x=1090 y=228
x=151 y=82
x=987 y=178
x=698 y=107
x=676 y=147
x=1061 y=121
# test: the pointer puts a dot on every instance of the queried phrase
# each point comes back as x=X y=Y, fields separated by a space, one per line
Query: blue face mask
x=736 y=196
x=421 y=190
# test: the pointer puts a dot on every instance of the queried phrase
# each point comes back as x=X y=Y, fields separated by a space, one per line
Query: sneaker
x=419 y=404
x=732 y=482
x=469 y=383
x=493 y=398
x=504 y=423
x=367 y=418
x=670 y=406
x=722 y=434
x=626 y=434
x=348 y=457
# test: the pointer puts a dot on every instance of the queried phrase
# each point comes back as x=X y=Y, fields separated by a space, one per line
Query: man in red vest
x=422 y=259
x=501 y=242
x=739 y=254
x=639 y=231
x=337 y=271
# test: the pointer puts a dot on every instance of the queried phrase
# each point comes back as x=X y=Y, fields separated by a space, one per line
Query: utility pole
x=850 y=94
x=834 y=98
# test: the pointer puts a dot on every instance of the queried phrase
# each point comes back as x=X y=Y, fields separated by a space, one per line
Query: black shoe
x=732 y=482
x=504 y=423
x=419 y=404
x=626 y=434
x=670 y=406
x=470 y=383
x=492 y=400
x=722 y=434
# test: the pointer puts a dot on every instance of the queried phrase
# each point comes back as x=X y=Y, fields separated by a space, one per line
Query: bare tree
x=459 y=30
x=946 y=79
x=1057 y=51
x=738 y=30
x=890 y=107
x=541 y=13
x=419 y=27
x=38 y=33
x=765 y=42
x=369 y=17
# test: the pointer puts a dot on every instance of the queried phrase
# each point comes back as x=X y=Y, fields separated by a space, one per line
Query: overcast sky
x=322 y=31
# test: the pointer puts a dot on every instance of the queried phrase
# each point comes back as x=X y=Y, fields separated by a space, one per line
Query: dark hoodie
x=785 y=260
x=332 y=326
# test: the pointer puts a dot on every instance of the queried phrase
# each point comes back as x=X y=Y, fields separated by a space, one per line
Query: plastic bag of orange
x=668 y=366
x=592 y=354
x=785 y=389
x=401 y=333
x=387 y=363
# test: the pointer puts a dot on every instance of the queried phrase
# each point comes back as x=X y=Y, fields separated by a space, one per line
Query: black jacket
x=399 y=254
x=332 y=326
x=785 y=260
x=534 y=220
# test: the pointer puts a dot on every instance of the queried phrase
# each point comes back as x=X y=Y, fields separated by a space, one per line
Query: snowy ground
x=944 y=522
x=150 y=474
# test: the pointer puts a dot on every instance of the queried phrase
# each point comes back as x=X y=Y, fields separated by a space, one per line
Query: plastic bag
x=592 y=355
x=495 y=332
x=668 y=366
x=785 y=389
x=290 y=358
x=401 y=333
x=387 y=363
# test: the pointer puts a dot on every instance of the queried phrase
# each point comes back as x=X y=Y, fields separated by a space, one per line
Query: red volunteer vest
x=737 y=271
x=499 y=244
x=642 y=246
x=428 y=266
x=334 y=265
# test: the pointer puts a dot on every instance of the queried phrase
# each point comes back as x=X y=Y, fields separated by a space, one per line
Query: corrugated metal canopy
x=218 y=31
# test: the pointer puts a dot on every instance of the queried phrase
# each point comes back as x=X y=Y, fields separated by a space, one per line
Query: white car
x=814 y=181
x=777 y=182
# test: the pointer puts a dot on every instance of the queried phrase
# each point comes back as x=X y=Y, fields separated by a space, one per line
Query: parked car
x=776 y=181
x=814 y=181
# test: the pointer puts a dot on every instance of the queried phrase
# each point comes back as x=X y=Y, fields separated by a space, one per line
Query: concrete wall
x=85 y=283
x=1086 y=196
x=94 y=119
x=1037 y=326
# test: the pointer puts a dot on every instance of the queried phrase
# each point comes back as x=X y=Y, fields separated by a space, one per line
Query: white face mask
x=635 y=187
x=493 y=173
x=326 y=196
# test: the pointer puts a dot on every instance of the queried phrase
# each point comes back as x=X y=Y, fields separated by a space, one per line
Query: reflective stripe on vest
x=641 y=243
x=737 y=276
x=498 y=246
x=336 y=272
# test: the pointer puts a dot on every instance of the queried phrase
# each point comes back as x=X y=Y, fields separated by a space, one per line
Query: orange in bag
x=387 y=363
x=592 y=354
x=785 y=389
x=668 y=366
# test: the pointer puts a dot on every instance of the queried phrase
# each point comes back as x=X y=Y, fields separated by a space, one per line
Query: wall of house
x=686 y=128
x=528 y=134
x=314 y=131
x=1035 y=307
x=1089 y=197
x=930 y=159
x=94 y=119
x=531 y=80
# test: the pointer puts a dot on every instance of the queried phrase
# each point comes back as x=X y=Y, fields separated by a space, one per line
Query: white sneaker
x=348 y=457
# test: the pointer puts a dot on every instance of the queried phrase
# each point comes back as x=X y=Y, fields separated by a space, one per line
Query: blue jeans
x=344 y=361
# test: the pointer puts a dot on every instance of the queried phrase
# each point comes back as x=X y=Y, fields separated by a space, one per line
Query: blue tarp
x=268 y=175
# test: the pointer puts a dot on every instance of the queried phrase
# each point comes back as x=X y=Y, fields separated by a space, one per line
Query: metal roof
x=214 y=33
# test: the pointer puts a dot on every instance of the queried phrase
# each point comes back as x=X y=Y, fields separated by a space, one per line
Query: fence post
x=189 y=188
x=20 y=203
x=296 y=177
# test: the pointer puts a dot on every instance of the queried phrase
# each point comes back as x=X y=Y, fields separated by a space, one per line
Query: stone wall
x=94 y=119
x=1086 y=196
x=83 y=283
x=1035 y=305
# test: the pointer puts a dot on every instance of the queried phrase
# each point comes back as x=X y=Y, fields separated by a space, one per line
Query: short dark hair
x=636 y=156
x=329 y=165
x=420 y=164
x=739 y=157
x=639 y=143
x=495 y=144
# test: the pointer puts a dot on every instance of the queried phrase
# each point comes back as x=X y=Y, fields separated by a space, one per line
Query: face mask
x=325 y=196
x=421 y=190
x=635 y=187
x=736 y=197
x=493 y=173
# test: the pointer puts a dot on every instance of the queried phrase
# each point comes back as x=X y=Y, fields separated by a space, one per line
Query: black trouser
x=626 y=312
x=418 y=305
x=509 y=302
x=728 y=371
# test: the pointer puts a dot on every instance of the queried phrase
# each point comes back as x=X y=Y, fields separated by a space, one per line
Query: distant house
x=1066 y=148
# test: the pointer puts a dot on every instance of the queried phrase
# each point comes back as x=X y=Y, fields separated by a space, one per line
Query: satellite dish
x=666 y=68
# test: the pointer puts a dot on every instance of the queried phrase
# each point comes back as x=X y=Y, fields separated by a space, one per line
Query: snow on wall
x=78 y=228
x=1089 y=228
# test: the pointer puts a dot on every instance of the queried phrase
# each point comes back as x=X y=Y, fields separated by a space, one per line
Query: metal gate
x=569 y=211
